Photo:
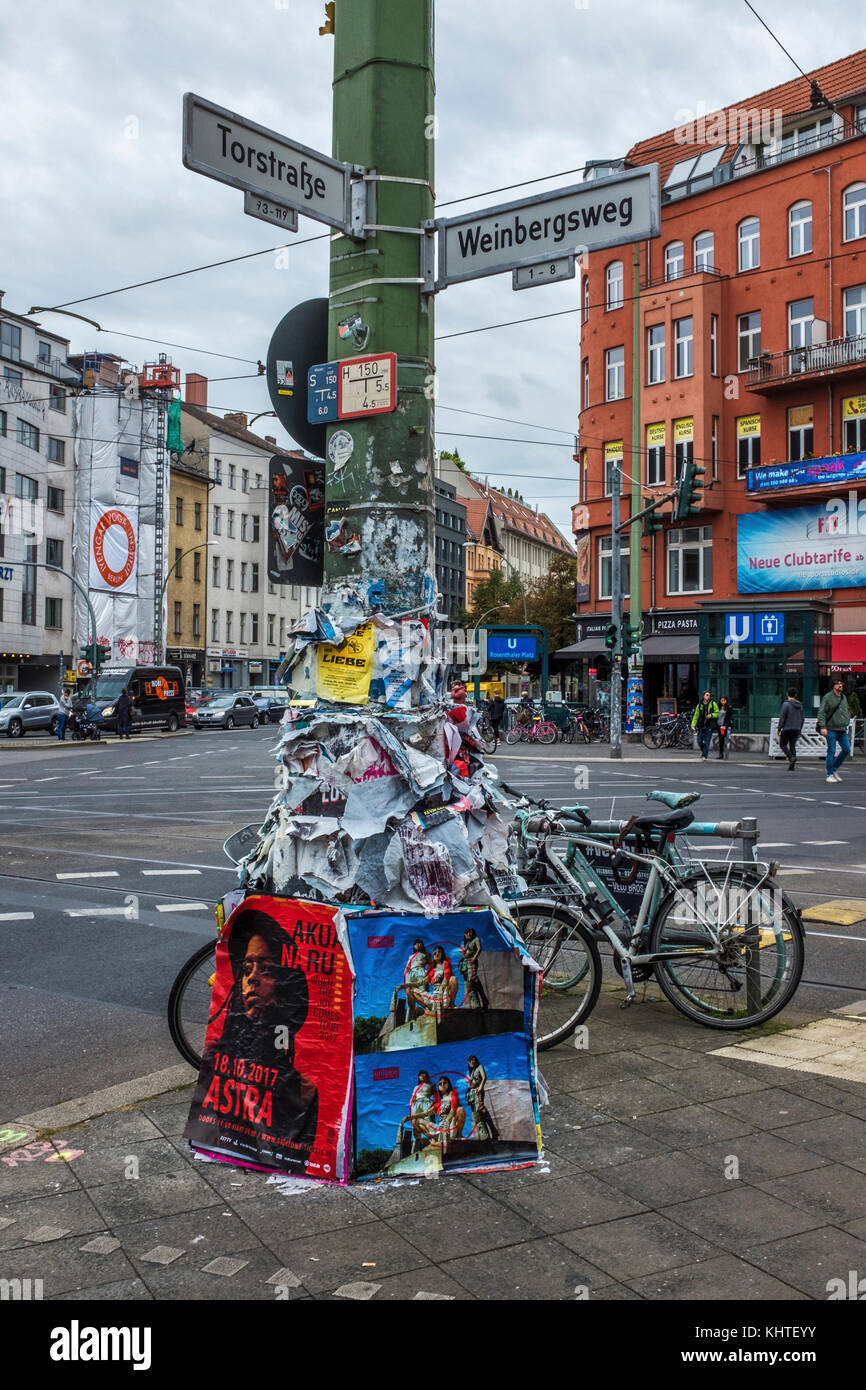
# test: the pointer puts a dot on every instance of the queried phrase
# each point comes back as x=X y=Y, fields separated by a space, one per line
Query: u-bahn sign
x=586 y=217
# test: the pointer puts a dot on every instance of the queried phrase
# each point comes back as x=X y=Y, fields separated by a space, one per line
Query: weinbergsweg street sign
x=269 y=210
x=233 y=150
x=586 y=217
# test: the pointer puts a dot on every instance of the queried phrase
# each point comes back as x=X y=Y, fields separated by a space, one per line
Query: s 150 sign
x=817 y=547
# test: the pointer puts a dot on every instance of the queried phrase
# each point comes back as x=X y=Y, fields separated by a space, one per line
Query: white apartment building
x=248 y=616
x=36 y=504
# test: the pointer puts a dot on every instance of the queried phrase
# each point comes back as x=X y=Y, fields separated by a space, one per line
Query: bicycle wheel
x=189 y=1003
x=754 y=968
x=514 y=734
x=653 y=737
x=485 y=739
x=557 y=939
x=546 y=733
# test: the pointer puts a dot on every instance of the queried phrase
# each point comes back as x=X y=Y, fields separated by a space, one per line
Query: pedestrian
x=834 y=717
x=724 y=723
x=496 y=714
x=705 y=721
x=791 y=721
x=65 y=711
x=123 y=710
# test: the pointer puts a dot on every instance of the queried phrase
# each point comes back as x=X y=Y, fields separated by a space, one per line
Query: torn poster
x=344 y=672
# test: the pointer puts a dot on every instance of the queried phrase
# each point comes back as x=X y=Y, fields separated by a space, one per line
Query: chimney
x=271 y=439
x=195 y=392
x=236 y=418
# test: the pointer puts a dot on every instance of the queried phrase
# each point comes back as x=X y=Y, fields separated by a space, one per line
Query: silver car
x=28 y=710
x=224 y=712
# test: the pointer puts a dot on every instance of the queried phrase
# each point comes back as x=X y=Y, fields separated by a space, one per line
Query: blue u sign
x=760 y=629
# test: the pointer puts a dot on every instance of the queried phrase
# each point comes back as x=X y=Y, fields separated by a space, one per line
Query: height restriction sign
x=367 y=385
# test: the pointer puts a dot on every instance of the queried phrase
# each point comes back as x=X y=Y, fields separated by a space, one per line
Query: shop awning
x=671 y=648
x=590 y=646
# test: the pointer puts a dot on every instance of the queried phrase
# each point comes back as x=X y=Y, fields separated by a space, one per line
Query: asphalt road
x=111 y=860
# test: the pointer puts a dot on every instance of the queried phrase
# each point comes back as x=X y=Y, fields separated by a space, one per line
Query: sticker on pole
x=367 y=385
x=341 y=446
x=345 y=671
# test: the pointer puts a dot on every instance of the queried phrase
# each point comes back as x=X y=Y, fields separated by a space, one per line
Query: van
x=158 y=691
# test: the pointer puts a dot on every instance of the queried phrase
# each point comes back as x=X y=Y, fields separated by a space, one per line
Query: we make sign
x=587 y=217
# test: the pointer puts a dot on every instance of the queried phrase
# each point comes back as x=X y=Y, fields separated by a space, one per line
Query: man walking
x=790 y=727
x=65 y=711
x=834 y=717
x=705 y=721
x=124 y=714
x=496 y=711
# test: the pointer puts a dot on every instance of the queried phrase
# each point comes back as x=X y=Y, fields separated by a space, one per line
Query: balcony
x=672 y=276
x=774 y=371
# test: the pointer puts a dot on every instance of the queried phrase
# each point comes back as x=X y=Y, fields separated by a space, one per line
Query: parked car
x=270 y=701
x=225 y=711
x=28 y=710
x=194 y=699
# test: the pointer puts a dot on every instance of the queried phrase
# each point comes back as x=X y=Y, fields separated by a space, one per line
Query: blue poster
x=838 y=468
x=816 y=547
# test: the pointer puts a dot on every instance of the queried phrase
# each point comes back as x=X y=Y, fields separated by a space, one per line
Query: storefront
x=671 y=648
x=191 y=661
x=753 y=653
x=227 y=668
x=586 y=663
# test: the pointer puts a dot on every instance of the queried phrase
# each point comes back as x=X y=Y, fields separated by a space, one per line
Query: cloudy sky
x=95 y=196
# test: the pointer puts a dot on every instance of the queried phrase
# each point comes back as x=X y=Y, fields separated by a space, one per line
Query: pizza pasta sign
x=113 y=548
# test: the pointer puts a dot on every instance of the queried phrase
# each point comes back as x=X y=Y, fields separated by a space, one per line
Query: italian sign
x=585 y=217
x=839 y=468
x=113 y=548
x=275 y=1077
x=239 y=152
x=296 y=521
x=818 y=547
x=344 y=672
x=367 y=385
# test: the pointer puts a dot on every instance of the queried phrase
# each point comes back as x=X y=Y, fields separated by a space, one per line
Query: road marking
x=46 y=779
x=183 y=907
x=165 y=873
x=17 y=916
x=836 y=935
x=789 y=872
x=777 y=844
x=97 y=873
x=176 y=759
x=96 y=912
x=829 y=1047
x=122 y=766
x=154 y=762
x=827 y=842
x=842 y=912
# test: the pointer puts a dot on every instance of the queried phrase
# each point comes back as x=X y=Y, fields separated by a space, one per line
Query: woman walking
x=724 y=722
x=704 y=721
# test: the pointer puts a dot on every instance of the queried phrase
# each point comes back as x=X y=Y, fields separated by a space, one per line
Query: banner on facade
x=818 y=547
x=583 y=551
x=655 y=435
x=833 y=470
x=296 y=521
x=113 y=548
x=274 y=1088
x=748 y=425
x=684 y=429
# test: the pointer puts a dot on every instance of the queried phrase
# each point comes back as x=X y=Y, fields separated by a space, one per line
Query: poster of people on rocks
x=275 y=1082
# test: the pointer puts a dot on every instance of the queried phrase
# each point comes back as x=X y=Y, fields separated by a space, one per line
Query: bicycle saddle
x=676 y=819
x=676 y=800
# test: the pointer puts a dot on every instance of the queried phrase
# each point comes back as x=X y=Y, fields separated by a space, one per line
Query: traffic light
x=610 y=636
x=652 y=520
x=631 y=641
x=97 y=654
x=328 y=26
x=689 y=491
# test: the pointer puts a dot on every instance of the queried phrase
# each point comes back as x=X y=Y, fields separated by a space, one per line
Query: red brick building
x=752 y=325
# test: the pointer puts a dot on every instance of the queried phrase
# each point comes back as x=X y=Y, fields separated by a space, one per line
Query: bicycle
x=674 y=731
x=707 y=930
x=574 y=728
x=539 y=731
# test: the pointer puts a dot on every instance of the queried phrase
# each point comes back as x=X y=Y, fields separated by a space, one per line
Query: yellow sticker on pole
x=344 y=672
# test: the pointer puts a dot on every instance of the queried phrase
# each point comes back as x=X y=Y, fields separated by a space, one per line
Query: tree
x=502 y=594
x=455 y=458
x=550 y=602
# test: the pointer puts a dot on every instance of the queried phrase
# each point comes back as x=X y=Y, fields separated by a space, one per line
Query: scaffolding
x=159 y=380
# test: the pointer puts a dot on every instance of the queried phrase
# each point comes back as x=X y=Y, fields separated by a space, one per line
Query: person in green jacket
x=834 y=717
x=705 y=720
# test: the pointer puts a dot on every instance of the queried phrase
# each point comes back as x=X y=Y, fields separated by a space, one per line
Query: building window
x=800 y=435
x=655 y=455
x=690 y=560
x=243 y=526
x=54 y=612
x=684 y=445
x=748 y=443
x=214 y=625
x=586 y=383
x=800 y=229
x=197 y=514
x=703 y=250
x=748 y=339
x=3 y=422
x=57 y=398
x=655 y=338
x=749 y=244
x=230 y=619
x=56 y=450
x=28 y=435
x=245 y=480
x=586 y=298
x=177 y=619
x=242 y=635
x=43 y=353
x=254 y=627
x=217 y=520
x=613 y=286
x=10 y=375
x=271 y=621
x=605 y=568
x=54 y=499
x=217 y=470
x=714 y=446
x=272 y=588
x=714 y=345
x=854 y=207
x=230 y=524
x=684 y=347
x=196 y=620
x=255 y=528
x=26 y=488
x=243 y=576
x=28 y=587
x=254 y=578
x=177 y=565
x=854 y=424
x=196 y=566
x=854 y=304
x=10 y=341
x=215 y=572
x=282 y=641
x=54 y=552
x=178 y=511
x=614 y=374
x=230 y=574
x=231 y=482
x=675 y=260
x=801 y=313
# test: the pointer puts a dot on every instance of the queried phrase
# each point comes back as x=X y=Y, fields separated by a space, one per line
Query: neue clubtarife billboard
x=817 y=547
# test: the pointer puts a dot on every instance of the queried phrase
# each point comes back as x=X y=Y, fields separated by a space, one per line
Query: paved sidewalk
x=670 y=1172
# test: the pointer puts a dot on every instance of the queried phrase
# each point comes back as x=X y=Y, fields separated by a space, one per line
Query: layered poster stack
x=368 y=1044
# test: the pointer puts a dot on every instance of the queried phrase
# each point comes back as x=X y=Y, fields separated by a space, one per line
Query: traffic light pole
x=43 y=565
x=616 y=613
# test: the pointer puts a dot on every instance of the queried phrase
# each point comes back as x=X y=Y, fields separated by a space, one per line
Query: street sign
x=585 y=217
x=526 y=277
x=299 y=341
x=511 y=647
x=233 y=150
x=322 y=393
x=367 y=385
x=269 y=210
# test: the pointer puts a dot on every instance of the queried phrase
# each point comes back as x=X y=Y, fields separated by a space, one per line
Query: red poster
x=275 y=1082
